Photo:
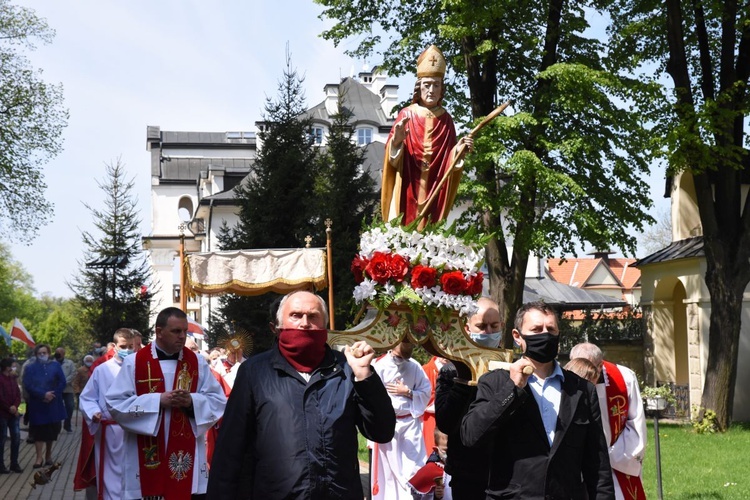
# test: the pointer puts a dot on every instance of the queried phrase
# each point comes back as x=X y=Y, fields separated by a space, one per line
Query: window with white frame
x=317 y=135
x=364 y=136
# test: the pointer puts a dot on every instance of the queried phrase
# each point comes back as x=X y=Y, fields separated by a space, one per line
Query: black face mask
x=57 y=356
x=541 y=347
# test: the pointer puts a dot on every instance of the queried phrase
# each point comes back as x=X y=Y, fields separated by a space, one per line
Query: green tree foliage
x=276 y=202
x=65 y=326
x=15 y=285
x=700 y=52
x=567 y=166
x=31 y=122
x=113 y=271
x=345 y=194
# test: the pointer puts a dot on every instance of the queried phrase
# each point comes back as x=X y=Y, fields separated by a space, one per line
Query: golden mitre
x=431 y=62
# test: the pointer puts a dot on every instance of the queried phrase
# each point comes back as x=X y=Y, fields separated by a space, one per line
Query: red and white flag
x=195 y=329
x=18 y=332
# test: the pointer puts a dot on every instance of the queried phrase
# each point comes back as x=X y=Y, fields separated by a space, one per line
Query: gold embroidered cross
x=149 y=379
x=433 y=60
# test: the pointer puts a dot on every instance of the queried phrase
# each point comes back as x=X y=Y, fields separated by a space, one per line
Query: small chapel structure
x=677 y=307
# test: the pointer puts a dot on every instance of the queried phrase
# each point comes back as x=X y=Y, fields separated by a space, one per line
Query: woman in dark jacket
x=44 y=381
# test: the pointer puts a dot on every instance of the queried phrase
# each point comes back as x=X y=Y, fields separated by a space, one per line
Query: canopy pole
x=183 y=281
x=329 y=264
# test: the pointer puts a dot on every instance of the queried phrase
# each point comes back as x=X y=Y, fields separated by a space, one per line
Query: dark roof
x=174 y=168
x=361 y=102
x=683 y=249
x=566 y=298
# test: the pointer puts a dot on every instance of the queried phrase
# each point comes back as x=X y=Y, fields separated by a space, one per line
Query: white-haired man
x=623 y=420
x=290 y=427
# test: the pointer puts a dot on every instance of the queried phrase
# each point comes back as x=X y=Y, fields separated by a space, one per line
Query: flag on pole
x=18 y=332
x=195 y=329
x=5 y=335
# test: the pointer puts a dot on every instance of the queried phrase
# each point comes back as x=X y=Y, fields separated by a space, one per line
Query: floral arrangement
x=433 y=272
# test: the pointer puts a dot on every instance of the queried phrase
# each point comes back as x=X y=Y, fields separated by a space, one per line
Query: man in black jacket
x=543 y=422
x=468 y=467
x=290 y=426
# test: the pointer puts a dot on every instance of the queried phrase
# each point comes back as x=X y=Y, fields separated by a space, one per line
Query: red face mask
x=304 y=349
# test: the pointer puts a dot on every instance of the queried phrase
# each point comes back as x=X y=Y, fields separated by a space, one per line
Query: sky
x=186 y=65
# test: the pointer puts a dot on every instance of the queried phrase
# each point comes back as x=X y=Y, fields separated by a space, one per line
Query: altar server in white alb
x=623 y=421
x=396 y=462
x=165 y=398
x=109 y=438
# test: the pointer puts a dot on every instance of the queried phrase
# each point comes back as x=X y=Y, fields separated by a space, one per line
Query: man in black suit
x=543 y=422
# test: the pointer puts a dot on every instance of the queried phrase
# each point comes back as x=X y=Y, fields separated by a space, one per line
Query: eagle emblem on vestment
x=180 y=464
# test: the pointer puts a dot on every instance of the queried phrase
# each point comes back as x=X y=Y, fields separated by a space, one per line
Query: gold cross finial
x=308 y=240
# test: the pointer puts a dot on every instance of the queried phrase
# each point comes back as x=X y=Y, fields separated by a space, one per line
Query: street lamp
x=656 y=406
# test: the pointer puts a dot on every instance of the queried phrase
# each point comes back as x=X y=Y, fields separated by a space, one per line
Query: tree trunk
x=726 y=289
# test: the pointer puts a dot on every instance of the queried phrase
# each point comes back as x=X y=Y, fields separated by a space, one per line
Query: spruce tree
x=276 y=202
x=113 y=285
x=346 y=196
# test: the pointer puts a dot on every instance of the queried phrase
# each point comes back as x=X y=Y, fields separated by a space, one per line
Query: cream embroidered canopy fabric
x=254 y=272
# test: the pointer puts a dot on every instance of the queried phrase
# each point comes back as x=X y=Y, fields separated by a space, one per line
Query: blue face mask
x=43 y=357
x=486 y=339
x=124 y=353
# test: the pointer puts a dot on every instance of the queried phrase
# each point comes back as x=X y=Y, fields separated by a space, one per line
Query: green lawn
x=693 y=466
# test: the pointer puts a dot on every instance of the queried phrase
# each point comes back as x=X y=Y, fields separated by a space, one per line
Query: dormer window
x=317 y=135
x=364 y=136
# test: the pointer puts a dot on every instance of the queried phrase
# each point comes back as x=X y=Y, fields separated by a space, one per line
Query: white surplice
x=626 y=454
x=396 y=462
x=91 y=402
x=142 y=415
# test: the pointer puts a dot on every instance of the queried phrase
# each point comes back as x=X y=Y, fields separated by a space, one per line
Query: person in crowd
x=409 y=389
x=137 y=340
x=165 y=399
x=10 y=399
x=431 y=369
x=44 y=381
x=624 y=420
x=229 y=364
x=106 y=354
x=69 y=370
x=432 y=481
x=467 y=467
x=421 y=149
x=290 y=428
x=109 y=438
x=25 y=395
x=584 y=369
x=82 y=374
x=542 y=422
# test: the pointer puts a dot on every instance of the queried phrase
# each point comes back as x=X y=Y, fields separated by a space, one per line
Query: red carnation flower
x=398 y=267
x=423 y=277
x=453 y=283
x=358 y=268
x=378 y=268
x=474 y=284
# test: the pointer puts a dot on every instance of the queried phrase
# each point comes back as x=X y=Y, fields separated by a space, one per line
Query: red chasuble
x=167 y=473
x=617 y=411
x=429 y=151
